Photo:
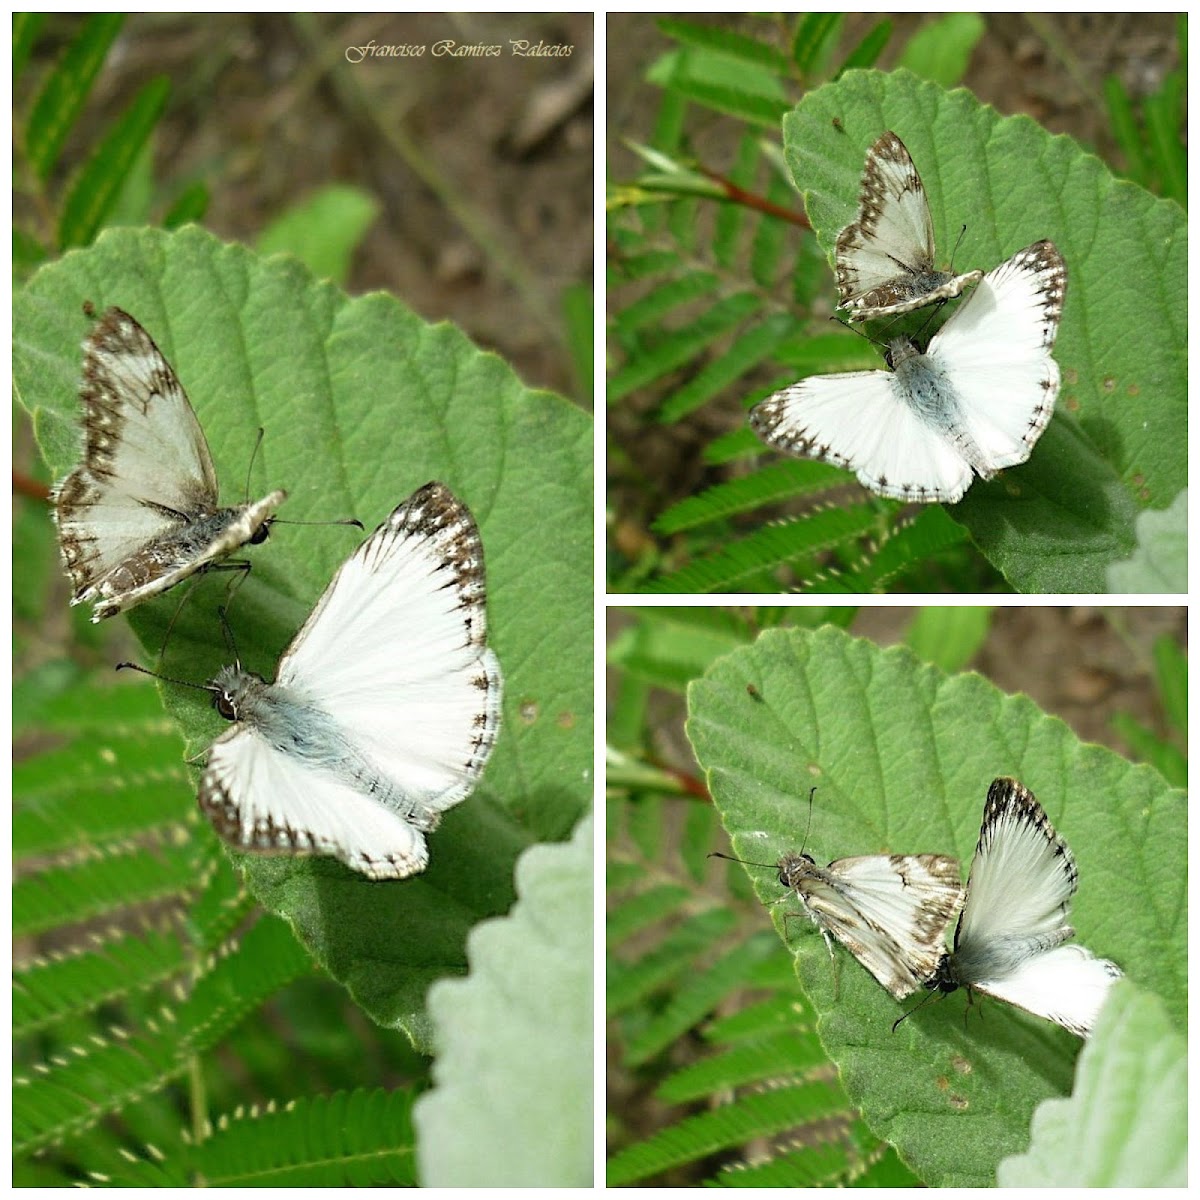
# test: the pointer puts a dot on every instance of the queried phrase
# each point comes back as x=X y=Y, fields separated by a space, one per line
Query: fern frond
x=676 y=349
x=101 y=881
x=65 y=984
x=349 y=1139
x=761 y=1115
x=756 y=555
x=780 y=481
x=83 y=1083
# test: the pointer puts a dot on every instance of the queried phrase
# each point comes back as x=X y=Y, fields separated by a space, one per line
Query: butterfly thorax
x=920 y=381
x=910 y=283
x=290 y=721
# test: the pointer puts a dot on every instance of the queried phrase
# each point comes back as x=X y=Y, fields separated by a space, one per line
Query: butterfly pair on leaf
x=385 y=706
x=892 y=912
x=974 y=401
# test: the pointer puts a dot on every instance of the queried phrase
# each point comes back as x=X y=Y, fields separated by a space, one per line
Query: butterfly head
x=793 y=868
x=230 y=689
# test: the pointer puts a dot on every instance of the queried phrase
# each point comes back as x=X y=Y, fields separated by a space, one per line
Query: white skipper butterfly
x=975 y=402
x=384 y=709
x=1009 y=940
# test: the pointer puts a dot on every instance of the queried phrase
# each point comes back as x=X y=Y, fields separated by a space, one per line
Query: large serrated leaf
x=513 y=1108
x=1117 y=443
x=901 y=756
x=1126 y=1123
x=362 y=402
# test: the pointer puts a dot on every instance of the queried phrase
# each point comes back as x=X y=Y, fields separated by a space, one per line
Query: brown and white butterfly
x=885 y=259
x=141 y=512
x=890 y=911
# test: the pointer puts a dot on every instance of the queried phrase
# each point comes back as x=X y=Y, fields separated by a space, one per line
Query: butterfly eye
x=260 y=534
x=224 y=704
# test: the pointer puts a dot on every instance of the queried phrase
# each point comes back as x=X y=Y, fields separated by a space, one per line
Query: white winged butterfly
x=1010 y=935
x=975 y=402
x=885 y=259
x=889 y=910
x=141 y=512
x=384 y=709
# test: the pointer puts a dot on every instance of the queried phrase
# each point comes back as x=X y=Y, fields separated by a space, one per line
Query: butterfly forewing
x=1022 y=879
x=1008 y=943
x=885 y=259
x=141 y=513
x=388 y=692
x=890 y=911
x=997 y=349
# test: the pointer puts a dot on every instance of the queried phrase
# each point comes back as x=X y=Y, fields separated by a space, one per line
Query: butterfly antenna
x=227 y=630
x=339 y=521
x=811 y=794
x=961 y=234
x=187 y=591
x=200 y=687
x=925 y=1001
x=253 y=455
x=744 y=861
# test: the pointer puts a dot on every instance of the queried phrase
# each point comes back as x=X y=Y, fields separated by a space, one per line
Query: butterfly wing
x=1067 y=985
x=996 y=350
x=1019 y=892
x=889 y=911
x=395 y=652
x=884 y=260
x=262 y=800
x=140 y=512
x=860 y=420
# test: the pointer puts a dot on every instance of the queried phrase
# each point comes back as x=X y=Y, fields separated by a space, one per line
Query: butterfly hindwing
x=997 y=349
x=859 y=421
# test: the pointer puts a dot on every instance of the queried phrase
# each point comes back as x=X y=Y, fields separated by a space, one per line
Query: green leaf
x=350 y=1139
x=1159 y=561
x=867 y=52
x=723 y=84
x=530 y=989
x=579 y=311
x=1171 y=674
x=814 y=40
x=96 y=191
x=362 y=402
x=744 y=50
x=949 y=637
x=902 y=756
x=1126 y=1123
x=190 y=205
x=25 y=30
x=1124 y=124
x=323 y=230
x=1117 y=443
x=940 y=51
x=66 y=90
